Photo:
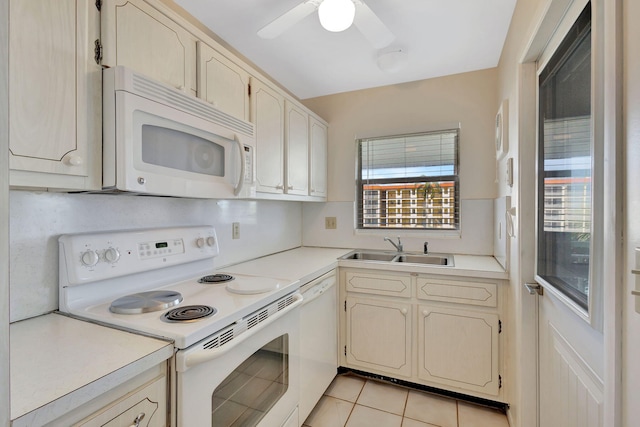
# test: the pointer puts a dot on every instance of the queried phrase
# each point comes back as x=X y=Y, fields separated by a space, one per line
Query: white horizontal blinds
x=567 y=168
x=409 y=181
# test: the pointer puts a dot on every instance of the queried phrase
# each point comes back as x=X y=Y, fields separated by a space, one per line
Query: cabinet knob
x=425 y=313
x=72 y=160
x=290 y=187
x=279 y=187
x=137 y=420
x=404 y=311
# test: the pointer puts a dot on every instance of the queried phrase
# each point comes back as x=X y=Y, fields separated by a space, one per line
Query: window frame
x=455 y=178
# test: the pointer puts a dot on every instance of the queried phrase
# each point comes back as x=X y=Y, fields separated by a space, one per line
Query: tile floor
x=352 y=401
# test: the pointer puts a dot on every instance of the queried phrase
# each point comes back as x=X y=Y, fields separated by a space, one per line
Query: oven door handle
x=191 y=358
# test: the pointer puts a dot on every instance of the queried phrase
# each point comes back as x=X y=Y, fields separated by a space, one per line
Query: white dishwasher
x=318 y=340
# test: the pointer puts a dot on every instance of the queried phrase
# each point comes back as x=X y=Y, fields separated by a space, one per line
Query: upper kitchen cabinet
x=296 y=125
x=54 y=95
x=291 y=147
x=140 y=37
x=318 y=158
x=222 y=83
x=267 y=113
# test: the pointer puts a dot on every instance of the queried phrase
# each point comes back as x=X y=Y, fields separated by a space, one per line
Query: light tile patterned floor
x=352 y=401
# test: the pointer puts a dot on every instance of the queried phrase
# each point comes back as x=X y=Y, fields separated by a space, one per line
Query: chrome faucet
x=398 y=246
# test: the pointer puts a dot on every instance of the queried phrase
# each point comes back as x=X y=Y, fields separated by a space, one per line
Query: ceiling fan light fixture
x=336 y=15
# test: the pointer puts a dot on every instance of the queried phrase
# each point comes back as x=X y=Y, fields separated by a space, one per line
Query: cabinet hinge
x=345 y=350
x=345 y=305
x=97 y=51
x=249 y=89
x=499 y=381
x=99 y=4
x=499 y=326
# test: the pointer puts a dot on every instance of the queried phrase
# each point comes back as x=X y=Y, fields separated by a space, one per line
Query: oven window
x=247 y=394
x=180 y=150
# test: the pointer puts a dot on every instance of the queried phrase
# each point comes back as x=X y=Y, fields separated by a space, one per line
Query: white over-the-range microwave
x=160 y=141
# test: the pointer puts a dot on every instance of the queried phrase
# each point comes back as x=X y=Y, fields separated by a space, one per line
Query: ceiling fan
x=335 y=15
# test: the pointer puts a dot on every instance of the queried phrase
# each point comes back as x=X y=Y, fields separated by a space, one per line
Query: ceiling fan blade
x=288 y=19
x=371 y=26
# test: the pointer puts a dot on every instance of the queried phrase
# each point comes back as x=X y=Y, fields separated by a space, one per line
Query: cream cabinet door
x=222 y=83
x=459 y=348
x=378 y=336
x=136 y=35
x=54 y=95
x=267 y=113
x=296 y=123
x=318 y=158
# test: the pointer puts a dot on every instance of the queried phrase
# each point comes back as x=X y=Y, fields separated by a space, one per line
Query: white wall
x=468 y=99
x=37 y=219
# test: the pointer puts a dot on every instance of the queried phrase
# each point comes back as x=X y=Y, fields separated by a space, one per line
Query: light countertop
x=307 y=263
x=59 y=363
x=303 y=264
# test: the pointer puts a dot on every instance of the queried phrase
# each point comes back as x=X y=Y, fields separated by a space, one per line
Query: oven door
x=245 y=379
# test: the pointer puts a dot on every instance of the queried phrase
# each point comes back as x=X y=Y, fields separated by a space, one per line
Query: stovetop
x=87 y=291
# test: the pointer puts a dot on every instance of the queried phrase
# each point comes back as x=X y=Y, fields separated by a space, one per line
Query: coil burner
x=189 y=313
x=216 y=278
x=144 y=302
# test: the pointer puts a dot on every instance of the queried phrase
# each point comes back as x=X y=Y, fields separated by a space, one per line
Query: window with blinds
x=409 y=182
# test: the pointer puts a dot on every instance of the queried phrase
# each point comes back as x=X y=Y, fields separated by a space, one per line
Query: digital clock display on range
x=162 y=245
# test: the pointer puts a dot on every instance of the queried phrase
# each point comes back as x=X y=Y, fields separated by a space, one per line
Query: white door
x=569 y=238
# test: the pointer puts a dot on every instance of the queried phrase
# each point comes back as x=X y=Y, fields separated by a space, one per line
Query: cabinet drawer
x=457 y=291
x=379 y=284
x=149 y=400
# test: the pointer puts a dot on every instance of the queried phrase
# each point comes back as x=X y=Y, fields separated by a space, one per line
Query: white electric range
x=162 y=282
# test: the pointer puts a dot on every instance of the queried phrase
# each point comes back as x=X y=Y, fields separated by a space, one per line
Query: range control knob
x=89 y=258
x=111 y=255
x=211 y=241
x=200 y=242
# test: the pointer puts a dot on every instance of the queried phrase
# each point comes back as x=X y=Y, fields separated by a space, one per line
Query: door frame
x=612 y=254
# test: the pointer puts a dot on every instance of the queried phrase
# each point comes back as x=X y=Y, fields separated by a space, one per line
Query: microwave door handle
x=238 y=188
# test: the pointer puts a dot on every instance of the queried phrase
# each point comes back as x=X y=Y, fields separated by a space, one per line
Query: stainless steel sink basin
x=370 y=256
x=441 y=260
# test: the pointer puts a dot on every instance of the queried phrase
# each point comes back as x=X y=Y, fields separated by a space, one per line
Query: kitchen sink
x=440 y=260
x=370 y=256
x=443 y=260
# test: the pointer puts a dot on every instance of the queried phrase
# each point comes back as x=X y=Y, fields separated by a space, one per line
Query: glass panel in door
x=565 y=152
x=253 y=388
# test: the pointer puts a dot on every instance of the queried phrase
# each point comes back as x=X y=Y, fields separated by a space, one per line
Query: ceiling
x=439 y=37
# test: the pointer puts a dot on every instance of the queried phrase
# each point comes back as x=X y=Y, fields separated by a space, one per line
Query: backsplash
x=476 y=234
x=37 y=219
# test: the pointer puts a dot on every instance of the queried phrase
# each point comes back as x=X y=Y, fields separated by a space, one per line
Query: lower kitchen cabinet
x=437 y=331
x=378 y=335
x=459 y=348
x=141 y=401
x=144 y=407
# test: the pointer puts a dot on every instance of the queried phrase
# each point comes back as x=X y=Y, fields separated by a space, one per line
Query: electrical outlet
x=235 y=230
x=330 y=222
